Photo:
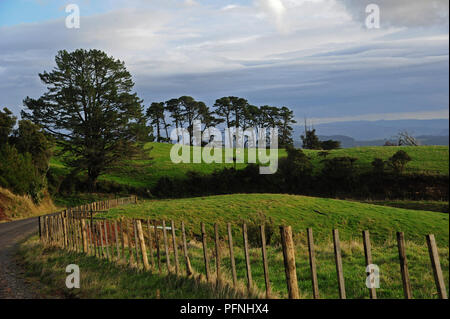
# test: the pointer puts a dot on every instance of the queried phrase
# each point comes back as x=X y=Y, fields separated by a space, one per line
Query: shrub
x=398 y=161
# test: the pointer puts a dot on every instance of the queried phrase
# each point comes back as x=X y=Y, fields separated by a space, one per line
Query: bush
x=254 y=231
x=19 y=174
x=378 y=165
x=398 y=161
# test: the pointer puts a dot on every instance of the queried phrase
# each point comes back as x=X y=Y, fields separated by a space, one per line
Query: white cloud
x=322 y=63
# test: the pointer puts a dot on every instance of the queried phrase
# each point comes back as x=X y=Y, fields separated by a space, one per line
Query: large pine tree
x=90 y=109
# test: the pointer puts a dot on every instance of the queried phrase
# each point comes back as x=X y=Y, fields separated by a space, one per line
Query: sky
x=316 y=57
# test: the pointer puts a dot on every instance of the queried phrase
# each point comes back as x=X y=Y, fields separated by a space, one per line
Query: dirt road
x=12 y=286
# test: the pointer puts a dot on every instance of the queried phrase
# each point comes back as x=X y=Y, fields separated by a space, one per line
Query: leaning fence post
x=218 y=257
x=312 y=263
x=175 y=249
x=142 y=243
x=232 y=261
x=338 y=260
x=166 y=245
x=205 y=251
x=404 y=265
x=264 y=259
x=436 y=265
x=185 y=251
x=368 y=257
x=289 y=261
x=136 y=244
x=247 y=257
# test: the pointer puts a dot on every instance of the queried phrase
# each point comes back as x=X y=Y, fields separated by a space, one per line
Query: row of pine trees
x=227 y=111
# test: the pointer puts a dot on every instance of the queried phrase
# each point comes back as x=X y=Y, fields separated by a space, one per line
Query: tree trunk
x=92 y=180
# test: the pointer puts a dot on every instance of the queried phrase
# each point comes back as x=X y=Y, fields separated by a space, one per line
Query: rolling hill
x=425 y=159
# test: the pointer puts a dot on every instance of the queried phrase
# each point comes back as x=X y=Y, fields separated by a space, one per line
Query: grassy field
x=429 y=205
x=322 y=215
x=425 y=159
x=105 y=280
x=299 y=212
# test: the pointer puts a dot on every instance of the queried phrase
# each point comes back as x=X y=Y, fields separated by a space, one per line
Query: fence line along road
x=133 y=241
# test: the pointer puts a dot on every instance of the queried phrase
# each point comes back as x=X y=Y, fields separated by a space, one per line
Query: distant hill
x=347 y=141
x=379 y=130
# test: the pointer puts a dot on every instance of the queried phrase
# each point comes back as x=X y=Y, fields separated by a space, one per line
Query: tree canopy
x=90 y=110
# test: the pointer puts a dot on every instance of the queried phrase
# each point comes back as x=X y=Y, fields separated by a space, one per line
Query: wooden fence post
x=205 y=251
x=232 y=261
x=129 y=242
x=84 y=235
x=158 y=253
x=166 y=245
x=124 y=240
x=218 y=257
x=436 y=265
x=116 y=235
x=44 y=226
x=49 y=226
x=185 y=251
x=94 y=238
x=264 y=260
x=40 y=230
x=80 y=234
x=338 y=260
x=368 y=258
x=312 y=263
x=175 y=249
x=99 y=228
x=68 y=231
x=404 y=265
x=289 y=261
x=247 y=257
x=150 y=243
x=136 y=243
x=105 y=225
x=66 y=239
x=142 y=243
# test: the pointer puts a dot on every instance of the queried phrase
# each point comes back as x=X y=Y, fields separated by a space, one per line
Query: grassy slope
x=13 y=207
x=298 y=211
x=426 y=159
x=429 y=205
x=323 y=215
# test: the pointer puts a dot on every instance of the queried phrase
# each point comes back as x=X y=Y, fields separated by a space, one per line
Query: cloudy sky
x=315 y=56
